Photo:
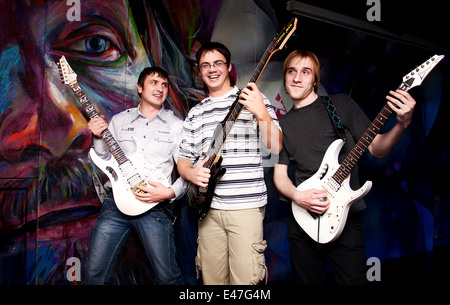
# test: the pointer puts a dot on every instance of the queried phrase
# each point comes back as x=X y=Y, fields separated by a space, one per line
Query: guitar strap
x=332 y=113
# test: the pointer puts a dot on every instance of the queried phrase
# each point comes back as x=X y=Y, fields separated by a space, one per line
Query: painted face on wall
x=43 y=135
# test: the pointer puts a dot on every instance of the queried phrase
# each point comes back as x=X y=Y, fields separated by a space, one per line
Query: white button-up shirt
x=159 y=138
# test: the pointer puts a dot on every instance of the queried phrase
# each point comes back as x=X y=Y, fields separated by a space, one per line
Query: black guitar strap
x=334 y=116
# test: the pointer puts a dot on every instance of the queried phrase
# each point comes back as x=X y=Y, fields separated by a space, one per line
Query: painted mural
x=49 y=189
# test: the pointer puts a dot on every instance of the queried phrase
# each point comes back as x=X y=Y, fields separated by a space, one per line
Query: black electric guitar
x=200 y=198
x=335 y=178
x=124 y=172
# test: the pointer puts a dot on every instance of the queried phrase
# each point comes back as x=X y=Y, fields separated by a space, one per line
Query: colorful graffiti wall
x=48 y=198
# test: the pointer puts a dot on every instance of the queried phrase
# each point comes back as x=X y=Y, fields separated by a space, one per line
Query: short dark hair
x=150 y=71
x=211 y=46
x=222 y=49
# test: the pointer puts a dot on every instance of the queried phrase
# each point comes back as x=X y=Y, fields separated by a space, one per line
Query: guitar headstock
x=277 y=44
x=280 y=40
x=416 y=76
x=68 y=76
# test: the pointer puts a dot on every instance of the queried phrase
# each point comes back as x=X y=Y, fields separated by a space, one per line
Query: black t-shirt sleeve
x=283 y=157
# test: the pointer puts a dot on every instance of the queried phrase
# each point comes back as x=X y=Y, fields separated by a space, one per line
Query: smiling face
x=216 y=76
x=154 y=91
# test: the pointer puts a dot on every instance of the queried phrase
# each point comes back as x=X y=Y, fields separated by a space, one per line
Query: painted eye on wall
x=94 y=44
x=95 y=48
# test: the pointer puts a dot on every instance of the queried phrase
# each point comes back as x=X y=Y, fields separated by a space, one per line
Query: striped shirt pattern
x=243 y=185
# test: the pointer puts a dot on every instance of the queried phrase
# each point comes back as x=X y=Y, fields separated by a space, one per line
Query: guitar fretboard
x=358 y=150
x=107 y=137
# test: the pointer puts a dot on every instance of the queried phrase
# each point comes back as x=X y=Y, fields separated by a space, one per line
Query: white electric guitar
x=124 y=173
x=335 y=178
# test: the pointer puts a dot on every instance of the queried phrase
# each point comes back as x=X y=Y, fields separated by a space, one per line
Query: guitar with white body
x=125 y=173
x=335 y=177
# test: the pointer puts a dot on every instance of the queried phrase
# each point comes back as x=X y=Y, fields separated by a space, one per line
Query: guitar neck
x=236 y=108
x=412 y=79
x=106 y=135
x=358 y=150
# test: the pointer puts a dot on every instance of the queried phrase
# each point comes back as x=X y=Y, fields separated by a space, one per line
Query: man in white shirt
x=158 y=131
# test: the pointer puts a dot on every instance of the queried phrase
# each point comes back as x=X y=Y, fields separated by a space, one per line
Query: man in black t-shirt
x=307 y=133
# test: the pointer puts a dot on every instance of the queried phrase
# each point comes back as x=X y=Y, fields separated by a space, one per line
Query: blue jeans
x=111 y=231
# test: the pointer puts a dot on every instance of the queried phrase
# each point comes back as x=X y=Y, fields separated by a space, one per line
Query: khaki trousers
x=231 y=247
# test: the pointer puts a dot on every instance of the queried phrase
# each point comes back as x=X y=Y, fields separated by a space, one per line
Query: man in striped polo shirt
x=230 y=244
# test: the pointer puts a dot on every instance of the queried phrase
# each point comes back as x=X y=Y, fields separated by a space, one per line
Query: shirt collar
x=136 y=113
x=233 y=92
x=163 y=114
x=133 y=113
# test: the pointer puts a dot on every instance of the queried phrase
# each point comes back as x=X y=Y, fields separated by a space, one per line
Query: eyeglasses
x=217 y=64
